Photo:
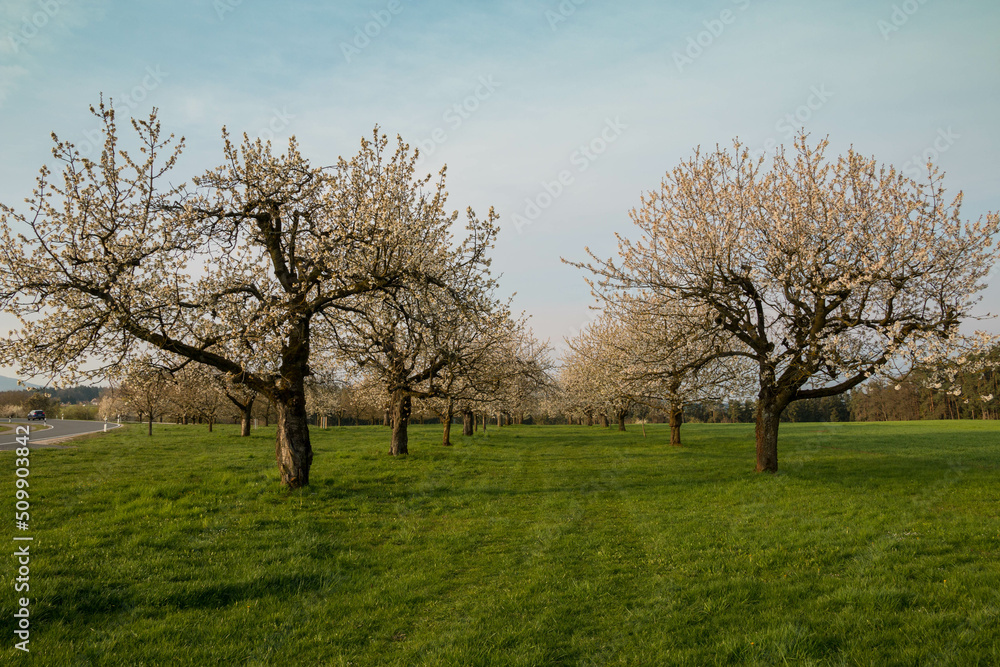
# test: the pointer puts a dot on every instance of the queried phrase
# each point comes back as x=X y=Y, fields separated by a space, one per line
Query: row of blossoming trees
x=265 y=272
x=801 y=276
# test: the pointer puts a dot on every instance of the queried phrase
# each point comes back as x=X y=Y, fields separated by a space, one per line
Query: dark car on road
x=36 y=414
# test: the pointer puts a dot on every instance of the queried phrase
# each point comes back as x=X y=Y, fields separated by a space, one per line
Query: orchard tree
x=822 y=271
x=111 y=405
x=240 y=395
x=501 y=371
x=322 y=397
x=145 y=387
x=407 y=339
x=597 y=376
x=368 y=396
x=196 y=393
x=671 y=354
x=113 y=258
x=526 y=372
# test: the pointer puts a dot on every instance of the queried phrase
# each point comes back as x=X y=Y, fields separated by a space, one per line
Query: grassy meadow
x=876 y=544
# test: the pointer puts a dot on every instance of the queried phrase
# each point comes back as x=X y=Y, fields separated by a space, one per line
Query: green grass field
x=877 y=544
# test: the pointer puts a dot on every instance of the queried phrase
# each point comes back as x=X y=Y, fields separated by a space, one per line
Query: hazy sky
x=511 y=95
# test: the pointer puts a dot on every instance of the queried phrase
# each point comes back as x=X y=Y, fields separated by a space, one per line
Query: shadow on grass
x=217 y=596
x=86 y=603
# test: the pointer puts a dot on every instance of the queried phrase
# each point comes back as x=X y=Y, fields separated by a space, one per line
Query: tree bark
x=246 y=414
x=676 y=419
x=767 y=419
x=401 y=403
x=150 y=423
x=621 y=420
x=590 y=418
x=448 y=414
x=467 y=418
x=292 y=447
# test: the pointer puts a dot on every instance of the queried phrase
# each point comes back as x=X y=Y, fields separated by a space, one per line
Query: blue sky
x=637 y=85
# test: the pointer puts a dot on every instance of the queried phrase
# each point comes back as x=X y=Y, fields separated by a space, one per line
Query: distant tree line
x=70 y=403
x=974 y=396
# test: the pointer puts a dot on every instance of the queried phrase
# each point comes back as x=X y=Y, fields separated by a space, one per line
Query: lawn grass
x=876 y=544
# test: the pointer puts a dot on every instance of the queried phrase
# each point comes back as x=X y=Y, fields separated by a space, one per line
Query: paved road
x=61 y=428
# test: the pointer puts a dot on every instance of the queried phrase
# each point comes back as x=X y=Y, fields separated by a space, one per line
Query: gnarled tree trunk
x=293 y=449
x=770 y=405
x=766 y=431
x=620 y=415
x=401 y=403
x=676 y=419
x=246 y=416
x=467 y=426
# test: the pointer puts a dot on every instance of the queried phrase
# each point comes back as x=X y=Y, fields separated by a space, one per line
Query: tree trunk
x=621 y=420
x=150 y=423
x=387 y=418
x=590 y=418
x=605 y=422
x=467 y=418
x=246 y=416
x=401 y=402
x=448 y=414
x=211 y=422
x=292 y=447
x=676 y=419
x=767 y=418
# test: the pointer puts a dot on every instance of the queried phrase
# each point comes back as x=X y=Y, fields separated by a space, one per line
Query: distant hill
x=72 y=395
x=66 y=396
x=10 y=384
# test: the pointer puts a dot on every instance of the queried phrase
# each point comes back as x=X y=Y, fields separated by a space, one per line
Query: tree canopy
x=822 y=271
